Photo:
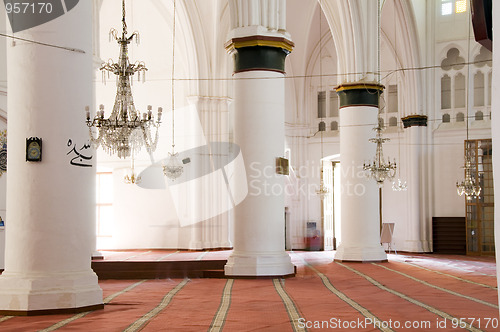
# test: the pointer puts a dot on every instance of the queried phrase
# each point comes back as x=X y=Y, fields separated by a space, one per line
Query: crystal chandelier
x=131 y=177
x=125 y=130
x=323 y=190
x=468 y=187
x=173 y=168
x=399 y=185
x=378 y=169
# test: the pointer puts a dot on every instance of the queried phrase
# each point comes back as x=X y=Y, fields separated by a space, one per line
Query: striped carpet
x=410 y=292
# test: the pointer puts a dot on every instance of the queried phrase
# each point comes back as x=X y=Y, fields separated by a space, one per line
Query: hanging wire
x=323 y=190
x=468 y=78
x=174 y=167
x=398 y=185
x=469 y=185
x=173 y=81
x=321 y=76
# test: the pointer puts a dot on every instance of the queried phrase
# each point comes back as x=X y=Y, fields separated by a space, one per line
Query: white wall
x=145 y=217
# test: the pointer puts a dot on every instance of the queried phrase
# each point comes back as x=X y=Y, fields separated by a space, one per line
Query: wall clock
x=34 y=149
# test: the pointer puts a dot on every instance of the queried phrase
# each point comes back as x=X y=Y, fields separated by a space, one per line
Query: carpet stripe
x=362 y=310
x=409 y=299
x=451 y=276
x=83 y=314
x=290 y=306
x=221 y=314
x=139 y=324
x=172 y=253
x=439 y=288
x=113 y=296
x=133 y=256
x=3 y=319
x=199 y=258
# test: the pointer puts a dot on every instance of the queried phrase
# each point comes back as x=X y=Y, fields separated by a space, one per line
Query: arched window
x=479 y=116
x=479 y=89
x=393 y=98
x=460 y=117
x=393 y=122
x=334 y=126
x=445 y=92
x=446 y=118
x=322 y=126
x=321 y=104
x=459 y=91
x=334 y=104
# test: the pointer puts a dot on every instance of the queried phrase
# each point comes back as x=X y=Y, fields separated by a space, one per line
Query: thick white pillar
x=50 y=203
x=360 y=225
x=260 y=45
x=259 y=240
x=415 y=126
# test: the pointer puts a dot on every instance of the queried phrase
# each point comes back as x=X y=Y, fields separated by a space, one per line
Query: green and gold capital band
x=359 y=94
x=259 y=53
x=414 y=120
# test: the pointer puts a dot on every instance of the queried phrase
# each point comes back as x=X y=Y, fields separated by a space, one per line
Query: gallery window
x=446 y=118
x=322 y=126
x=334 y=126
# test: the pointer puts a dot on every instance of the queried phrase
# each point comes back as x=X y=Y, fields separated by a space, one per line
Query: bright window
x=460 y=6
x=446 y=8
x=104 y=203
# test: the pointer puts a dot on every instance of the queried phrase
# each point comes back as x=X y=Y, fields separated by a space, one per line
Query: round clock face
x=3 y=160
x=34 y=150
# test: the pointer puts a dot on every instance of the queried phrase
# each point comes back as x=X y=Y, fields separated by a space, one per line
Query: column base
x=360 y=254
x=97 y=255
x=45 y=293
x=259 y=264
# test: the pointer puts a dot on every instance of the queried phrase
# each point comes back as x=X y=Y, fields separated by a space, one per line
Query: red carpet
x=410 y=293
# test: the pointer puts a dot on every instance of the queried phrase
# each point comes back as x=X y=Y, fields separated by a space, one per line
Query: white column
x=259 y=240
x=360 y=225
x=259 y=47
x=413 y=241
x=50 y=204
x=495 y=130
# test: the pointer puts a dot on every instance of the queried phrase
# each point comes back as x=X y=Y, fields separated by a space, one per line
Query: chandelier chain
x=124 y=23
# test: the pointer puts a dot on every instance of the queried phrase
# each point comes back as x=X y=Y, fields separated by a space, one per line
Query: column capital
x=359 y=94
x=259 y=40
x=259 y=52
x=414 y=120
